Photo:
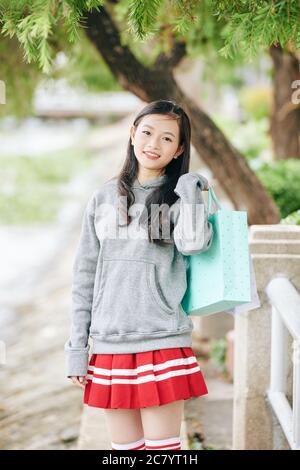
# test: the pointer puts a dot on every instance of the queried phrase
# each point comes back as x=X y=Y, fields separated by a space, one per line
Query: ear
x=179 y=151
x=132 y=132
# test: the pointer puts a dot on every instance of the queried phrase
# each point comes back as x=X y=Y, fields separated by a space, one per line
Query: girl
x=129 y=278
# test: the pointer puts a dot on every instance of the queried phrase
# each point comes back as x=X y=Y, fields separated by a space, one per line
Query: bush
x=256 y=101
x=292 y=219
x=281 y=178
x=218 y=353
x=249 y=137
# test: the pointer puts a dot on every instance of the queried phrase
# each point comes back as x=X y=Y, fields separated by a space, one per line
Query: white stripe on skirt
x=143 y=379
x=144 y=368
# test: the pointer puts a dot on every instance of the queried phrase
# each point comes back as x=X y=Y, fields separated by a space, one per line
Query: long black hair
x=163 y=194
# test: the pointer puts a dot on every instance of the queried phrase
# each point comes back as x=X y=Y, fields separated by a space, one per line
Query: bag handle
x=211 y=195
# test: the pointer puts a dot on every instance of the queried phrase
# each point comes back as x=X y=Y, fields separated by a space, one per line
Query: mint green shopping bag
x=219 y=279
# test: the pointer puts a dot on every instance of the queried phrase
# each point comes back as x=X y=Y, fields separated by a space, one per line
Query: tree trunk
x=227 y=164
x=285 y=120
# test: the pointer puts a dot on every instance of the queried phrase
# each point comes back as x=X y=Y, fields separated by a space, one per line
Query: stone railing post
x=275 y=251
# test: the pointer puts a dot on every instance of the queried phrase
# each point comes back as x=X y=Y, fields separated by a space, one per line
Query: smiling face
x=156 y=143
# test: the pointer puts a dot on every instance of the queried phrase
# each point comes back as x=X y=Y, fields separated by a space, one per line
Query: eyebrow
x=151 y=127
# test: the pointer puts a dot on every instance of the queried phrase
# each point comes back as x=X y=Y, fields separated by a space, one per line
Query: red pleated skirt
x=143 y=379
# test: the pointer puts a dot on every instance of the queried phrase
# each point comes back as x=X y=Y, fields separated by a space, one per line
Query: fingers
x=83 y=380
x=80 y=381
x=204 y=184
x=75 y=380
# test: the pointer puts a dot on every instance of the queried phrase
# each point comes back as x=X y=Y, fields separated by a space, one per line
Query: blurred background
x=73 y=76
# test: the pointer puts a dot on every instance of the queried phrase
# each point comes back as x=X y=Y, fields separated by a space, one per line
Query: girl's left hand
x=81 y=381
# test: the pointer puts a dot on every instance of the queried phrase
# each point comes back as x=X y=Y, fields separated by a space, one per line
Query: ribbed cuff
x=184 y=183
x=77 y=363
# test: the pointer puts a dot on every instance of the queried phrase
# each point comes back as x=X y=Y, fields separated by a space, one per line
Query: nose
x=154 y=145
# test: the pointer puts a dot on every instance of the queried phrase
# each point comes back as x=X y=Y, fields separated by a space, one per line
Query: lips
x=151 y=155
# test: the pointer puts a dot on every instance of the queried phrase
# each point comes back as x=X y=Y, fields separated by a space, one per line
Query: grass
x=31 y=188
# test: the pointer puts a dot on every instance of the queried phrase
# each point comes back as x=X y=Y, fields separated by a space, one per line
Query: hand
x=80 y=381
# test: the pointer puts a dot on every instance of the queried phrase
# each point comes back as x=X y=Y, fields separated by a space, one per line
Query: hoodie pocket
x=130 y=300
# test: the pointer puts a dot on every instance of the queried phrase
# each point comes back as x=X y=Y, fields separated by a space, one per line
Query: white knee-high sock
x=136 y=445
x=172 y=443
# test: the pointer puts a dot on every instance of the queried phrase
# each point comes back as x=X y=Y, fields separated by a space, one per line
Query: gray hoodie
x=127 y=291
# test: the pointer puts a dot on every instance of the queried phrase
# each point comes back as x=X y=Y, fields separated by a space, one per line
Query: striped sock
x=137 y=445
x=172 y=443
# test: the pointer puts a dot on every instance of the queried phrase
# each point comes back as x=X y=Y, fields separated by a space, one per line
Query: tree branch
x=172 y=60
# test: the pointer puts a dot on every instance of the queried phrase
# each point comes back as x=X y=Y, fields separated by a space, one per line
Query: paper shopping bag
x=219 y=279
x=255 y=300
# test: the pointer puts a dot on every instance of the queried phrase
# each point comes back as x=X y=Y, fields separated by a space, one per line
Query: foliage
x=233 y=29
x=35 y=22
x=83 y=66
x=211 y=30
x=20 y=79
x=218 y=353
x=256 y=101
x=281 y=178
x=248 y=25
x=31 y=186
x=249 y=137
x=253 y=25
x=292 y=219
